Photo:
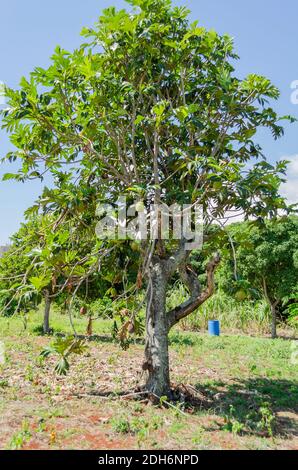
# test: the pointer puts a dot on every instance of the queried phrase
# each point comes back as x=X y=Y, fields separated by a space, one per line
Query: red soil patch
x=33 y=445
x=100 y=441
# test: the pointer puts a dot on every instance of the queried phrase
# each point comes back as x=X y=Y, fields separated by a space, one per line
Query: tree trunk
x=159 y=321
x=46 y=318
x=157 y=329
x=272 y=304
x=273 y=321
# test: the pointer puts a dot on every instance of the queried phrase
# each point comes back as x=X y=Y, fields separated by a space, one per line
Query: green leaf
x=9 y=176
x=39 y=282
x=62 y=366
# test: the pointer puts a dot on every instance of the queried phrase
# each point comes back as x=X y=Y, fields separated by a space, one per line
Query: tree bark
x=157 y=328
x=46 y=318
x=159 y=321
x=272 y=304
x=197 y=297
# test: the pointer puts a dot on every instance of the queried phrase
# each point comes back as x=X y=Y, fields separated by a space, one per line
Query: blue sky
x=265 y=34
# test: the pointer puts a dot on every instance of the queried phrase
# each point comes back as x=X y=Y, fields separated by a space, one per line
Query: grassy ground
x=244 y=393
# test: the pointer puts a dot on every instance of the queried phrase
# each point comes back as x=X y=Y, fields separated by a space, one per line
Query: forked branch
x=196 y=299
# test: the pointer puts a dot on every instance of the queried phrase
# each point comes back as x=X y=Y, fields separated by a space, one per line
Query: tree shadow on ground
x=256 y=405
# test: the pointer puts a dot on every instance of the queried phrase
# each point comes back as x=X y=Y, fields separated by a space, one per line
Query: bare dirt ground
x=239 y=400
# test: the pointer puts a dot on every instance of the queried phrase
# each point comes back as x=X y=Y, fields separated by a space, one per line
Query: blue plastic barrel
x=214 y=327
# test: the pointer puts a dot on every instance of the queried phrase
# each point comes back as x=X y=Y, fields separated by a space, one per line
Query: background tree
x=16 y=292
x=48 y=262
x=40 y=265
x=266 y=255
x=149 y=105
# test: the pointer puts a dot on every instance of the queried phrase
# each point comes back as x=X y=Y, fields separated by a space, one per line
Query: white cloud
x=290 y=188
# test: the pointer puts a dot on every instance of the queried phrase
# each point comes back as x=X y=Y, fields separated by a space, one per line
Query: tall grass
x=240 y=317
x=246 y=316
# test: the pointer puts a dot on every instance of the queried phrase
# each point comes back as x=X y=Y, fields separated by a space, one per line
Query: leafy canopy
x=267 y=257
x=148 y=93
x=149 y=105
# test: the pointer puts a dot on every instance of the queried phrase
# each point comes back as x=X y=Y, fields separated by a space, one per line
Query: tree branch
x=178 y=258
x=196 y=298
x=190 y=280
